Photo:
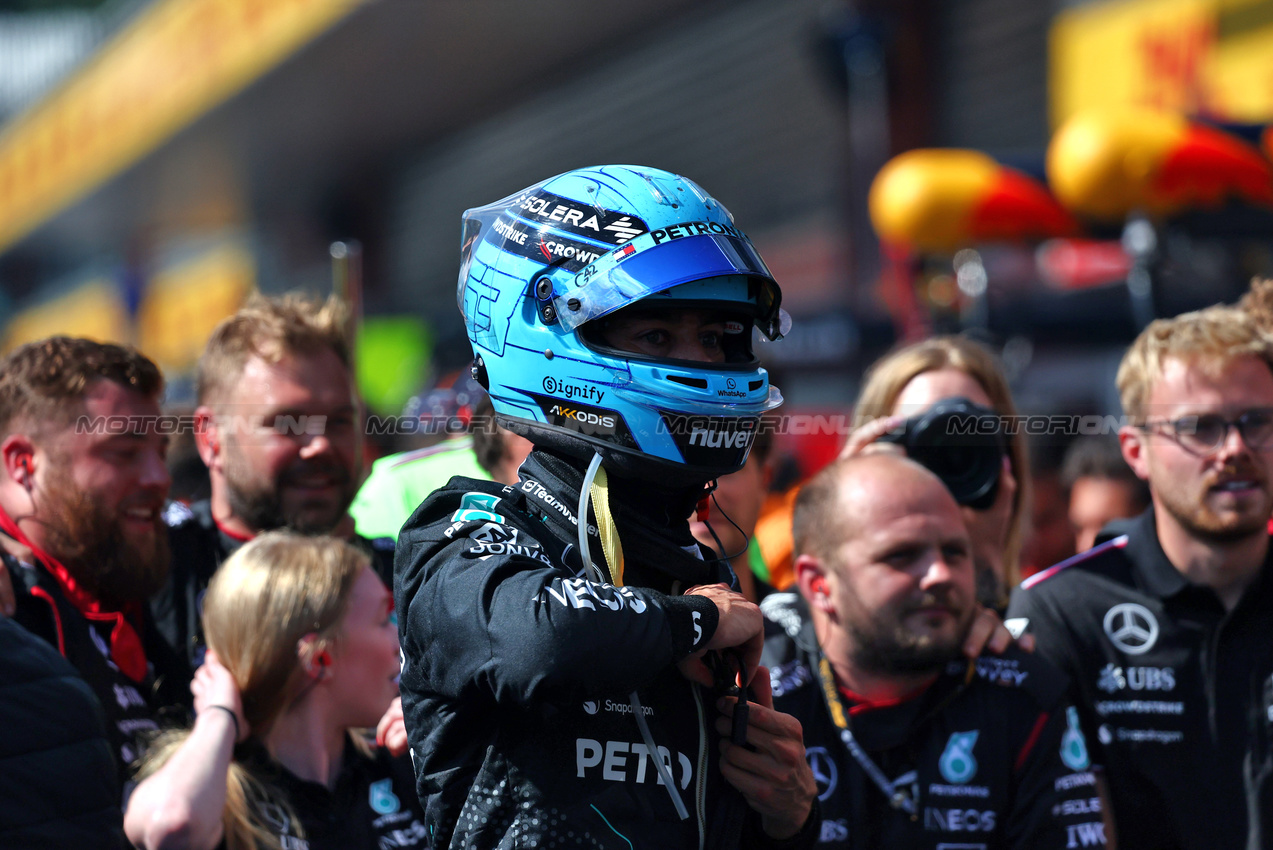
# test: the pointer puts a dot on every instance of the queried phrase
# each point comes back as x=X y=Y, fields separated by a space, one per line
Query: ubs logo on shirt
x=1113 y=678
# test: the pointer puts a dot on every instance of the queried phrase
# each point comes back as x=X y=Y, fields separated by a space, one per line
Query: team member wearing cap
x=558 y=633
x=1164 y=627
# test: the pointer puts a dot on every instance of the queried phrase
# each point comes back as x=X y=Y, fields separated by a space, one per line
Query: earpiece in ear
x=819 y=586
x=323 y=659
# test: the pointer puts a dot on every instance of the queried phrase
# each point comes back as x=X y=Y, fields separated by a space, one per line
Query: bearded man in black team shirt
x=277 y=428
x=1165 y=626
x=81 y=532
x=914 y=744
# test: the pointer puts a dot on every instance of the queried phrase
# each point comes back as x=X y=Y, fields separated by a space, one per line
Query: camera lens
x=963 y=444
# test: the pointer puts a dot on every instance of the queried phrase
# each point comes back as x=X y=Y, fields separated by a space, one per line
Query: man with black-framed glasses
x=1166 y=626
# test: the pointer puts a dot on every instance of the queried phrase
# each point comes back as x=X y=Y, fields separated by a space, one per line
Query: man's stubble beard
x=885 y=647
x=1196 y=518
x=260 y=504
x=89 y=540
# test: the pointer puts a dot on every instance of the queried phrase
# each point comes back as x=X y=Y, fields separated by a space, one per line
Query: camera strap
x=898 y=797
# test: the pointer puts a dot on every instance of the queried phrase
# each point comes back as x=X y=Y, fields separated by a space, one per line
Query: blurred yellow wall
x=1203 y=57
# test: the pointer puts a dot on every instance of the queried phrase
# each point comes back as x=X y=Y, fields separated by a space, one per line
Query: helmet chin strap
x=609 y=534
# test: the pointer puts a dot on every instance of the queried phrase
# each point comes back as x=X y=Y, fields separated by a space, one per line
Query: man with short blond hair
x=277 y=426
x=1164 y=626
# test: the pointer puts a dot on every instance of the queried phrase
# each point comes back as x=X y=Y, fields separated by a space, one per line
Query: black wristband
x=233 y=717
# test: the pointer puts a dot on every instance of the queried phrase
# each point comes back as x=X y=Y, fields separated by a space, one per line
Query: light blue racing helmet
x=544 y=270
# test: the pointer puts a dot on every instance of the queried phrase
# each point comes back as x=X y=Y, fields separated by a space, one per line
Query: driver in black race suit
x=570 y=657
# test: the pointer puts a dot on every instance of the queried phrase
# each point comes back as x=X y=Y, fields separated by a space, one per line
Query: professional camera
x=962 y=443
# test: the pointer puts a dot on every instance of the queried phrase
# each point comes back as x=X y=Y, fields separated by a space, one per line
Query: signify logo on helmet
x=573 y=391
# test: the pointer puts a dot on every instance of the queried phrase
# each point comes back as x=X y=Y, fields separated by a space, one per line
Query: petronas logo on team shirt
x=1073 y=744
x=957 y=763
x=382 y=799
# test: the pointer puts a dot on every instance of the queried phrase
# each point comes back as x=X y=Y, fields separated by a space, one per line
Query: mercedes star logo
x=1131 y=627
x=824 y=772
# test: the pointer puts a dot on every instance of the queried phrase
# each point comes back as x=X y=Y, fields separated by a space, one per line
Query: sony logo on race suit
x=1000 y=671
x=494 y=539
x=621 y=761
x=959 y=820
x=580 y=593
x=696 y=228
x=609 y=226
x=1090 y=834
x=539 y=491
x=1114 y=678
x=1068 y=808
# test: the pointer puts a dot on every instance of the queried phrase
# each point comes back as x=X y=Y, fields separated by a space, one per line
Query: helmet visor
x=654 y=262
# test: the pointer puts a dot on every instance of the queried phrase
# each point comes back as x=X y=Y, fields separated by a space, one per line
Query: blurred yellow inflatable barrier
x=1105 y=165
x=942 y=200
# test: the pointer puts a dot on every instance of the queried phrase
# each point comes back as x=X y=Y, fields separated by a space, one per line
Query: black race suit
x=134 y=711
x=518 y=673
x=987 y=753
x=198 y=548
x=58 y=783
x=1174 y=692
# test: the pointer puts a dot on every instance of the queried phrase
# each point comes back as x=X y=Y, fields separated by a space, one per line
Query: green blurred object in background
x=392 y=354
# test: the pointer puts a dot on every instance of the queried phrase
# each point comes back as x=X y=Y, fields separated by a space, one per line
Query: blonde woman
x=913 y=379
x=303 y=648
